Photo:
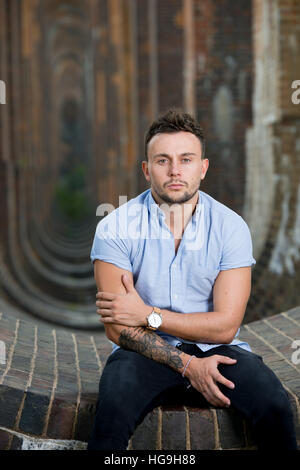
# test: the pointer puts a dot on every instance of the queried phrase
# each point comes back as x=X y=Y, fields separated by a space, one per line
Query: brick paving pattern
x=49 y=384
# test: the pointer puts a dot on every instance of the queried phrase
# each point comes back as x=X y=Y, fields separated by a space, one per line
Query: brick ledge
x=49 y=384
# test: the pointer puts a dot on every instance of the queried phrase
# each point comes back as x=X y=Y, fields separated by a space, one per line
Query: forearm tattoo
x=151 y=345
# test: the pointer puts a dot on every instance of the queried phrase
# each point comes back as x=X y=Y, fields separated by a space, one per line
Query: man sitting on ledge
x=173 y=270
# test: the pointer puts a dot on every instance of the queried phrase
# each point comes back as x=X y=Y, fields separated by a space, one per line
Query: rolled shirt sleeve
x=109 y=246
x=237 y=248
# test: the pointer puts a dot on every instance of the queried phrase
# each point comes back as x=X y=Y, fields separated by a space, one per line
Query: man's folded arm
x=138 y=339
x=231 y=292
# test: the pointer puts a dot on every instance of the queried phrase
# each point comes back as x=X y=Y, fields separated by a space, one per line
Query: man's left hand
x=123 y=309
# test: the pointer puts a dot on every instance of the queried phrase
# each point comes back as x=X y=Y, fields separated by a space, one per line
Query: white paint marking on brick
x=78 y=383
x=129 y=447
x=33 y=359
x=153 y=56
x=11 y=352
x=187 y=429
x=286 y=252
x=54 y=385
x=280 y=260
x=159 y=430
x=29 y=380
x=189 y=57
x=272 y=347
x=291 y=319
x=216 y=429
x=2 y=349
x=33 y=443
x=96 y=353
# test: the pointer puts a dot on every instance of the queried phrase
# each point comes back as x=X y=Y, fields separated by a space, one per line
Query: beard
x=180 y=199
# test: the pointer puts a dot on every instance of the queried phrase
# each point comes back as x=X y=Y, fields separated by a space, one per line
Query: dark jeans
x=132 y=385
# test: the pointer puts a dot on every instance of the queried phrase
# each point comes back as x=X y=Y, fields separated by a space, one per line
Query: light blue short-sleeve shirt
x=136 y=238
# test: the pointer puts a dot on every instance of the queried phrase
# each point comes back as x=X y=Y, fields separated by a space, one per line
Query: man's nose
x=174 y=169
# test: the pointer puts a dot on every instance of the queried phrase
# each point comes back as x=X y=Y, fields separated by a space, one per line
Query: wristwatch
x=154 y=319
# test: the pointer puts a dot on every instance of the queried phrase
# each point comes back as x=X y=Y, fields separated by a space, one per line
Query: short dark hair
x=175 y=120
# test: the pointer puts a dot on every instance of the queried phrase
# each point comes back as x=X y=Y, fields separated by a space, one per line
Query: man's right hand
x=203 y=375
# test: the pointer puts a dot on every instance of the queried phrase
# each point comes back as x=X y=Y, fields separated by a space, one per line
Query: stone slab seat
x=49 y=383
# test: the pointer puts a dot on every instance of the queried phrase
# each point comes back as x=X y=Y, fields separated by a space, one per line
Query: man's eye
x=186 y=159
x=163 y=160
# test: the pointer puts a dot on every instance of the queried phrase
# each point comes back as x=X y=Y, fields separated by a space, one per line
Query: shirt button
x=175 y=296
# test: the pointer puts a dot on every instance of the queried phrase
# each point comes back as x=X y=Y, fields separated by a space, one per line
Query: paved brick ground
x=49 y=382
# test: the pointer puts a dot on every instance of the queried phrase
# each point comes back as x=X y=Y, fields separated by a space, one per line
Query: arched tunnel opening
x=83 y=81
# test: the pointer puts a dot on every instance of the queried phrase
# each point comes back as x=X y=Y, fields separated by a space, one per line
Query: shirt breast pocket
x=200 y=283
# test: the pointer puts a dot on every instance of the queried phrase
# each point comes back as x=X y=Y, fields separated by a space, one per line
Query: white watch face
x=154 y=320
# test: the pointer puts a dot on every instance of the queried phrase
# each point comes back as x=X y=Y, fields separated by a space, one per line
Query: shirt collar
x=155 y=210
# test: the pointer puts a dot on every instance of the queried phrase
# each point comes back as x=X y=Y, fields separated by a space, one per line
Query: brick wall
x=223 y=93
x=126 y=62
x=49 y=386
x=272 y=166
x=116 y=63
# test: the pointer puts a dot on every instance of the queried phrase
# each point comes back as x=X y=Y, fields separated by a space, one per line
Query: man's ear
x=145 y=170
x=205 y=165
